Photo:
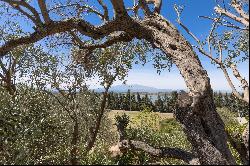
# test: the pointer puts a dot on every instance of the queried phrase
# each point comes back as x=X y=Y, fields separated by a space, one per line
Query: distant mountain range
x=143 y=89
x=133 y=88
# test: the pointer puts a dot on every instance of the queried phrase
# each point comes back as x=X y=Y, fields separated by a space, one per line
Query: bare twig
x=232 y=16
x=236 y=5
x=224 y=22
x=17 y=5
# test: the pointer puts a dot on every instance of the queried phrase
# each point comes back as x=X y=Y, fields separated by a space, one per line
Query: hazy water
x=153 y=98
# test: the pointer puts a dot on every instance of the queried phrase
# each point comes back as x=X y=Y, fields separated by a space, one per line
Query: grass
x=227 y=116
x=133 y=114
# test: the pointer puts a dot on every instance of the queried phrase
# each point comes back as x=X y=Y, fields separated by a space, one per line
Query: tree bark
x=98 y=123
x=202 y=124
x=74 y=142
x=9 y=85
x=245 y=137
x=240 y=147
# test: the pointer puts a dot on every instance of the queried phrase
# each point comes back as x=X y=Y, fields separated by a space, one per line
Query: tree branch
x=232 y=16
x=184 y=27
x=240 y=147
x=3 y=67
x=119 y=8
x=88 y=49
x=27 y=6
x=54 y=27
x=224 y=23
x=243 y=81
x=239 y=9
x=235 y=92
x=44 y=11
x=25 y=14
x=162 y=152
x=217 y=61
x=80 y=8
x=91 y=10
x=144 y=6
x=157 y=4
x=98 y=121
x=105 y=9
x=122 y=37
x=61 y=103
x=77 y=39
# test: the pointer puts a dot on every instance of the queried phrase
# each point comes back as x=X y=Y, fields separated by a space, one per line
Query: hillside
x=133 y=88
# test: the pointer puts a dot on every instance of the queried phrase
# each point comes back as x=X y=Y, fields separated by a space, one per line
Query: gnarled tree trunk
x=202 y=124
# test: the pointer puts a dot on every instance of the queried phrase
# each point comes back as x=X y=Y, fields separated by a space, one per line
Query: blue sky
x=147 y=75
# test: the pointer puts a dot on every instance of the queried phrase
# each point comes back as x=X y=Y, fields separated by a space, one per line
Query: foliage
x=33 y=129
x=235 y=43
x=137 y=102
x=232 y=103
x=148 y=127
x=36 y=129
x=233 y=128
x=37 y=124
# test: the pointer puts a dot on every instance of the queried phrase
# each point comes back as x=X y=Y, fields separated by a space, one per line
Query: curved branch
x=105 y=9
x=122 y=37
x=25 y=14
x=26 y=5
x=162 y=152
x=82 y=26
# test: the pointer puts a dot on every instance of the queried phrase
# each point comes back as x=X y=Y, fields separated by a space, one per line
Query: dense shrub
x=35 y=128
x=233 y=128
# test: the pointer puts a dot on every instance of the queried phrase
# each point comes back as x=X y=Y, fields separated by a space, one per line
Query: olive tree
x=203 y=126
x=226 y=49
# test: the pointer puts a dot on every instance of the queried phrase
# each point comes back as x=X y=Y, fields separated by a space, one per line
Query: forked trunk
x=202 y=124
